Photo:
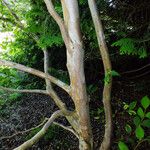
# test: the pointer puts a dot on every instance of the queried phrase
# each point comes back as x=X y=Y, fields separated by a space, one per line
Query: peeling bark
x=71 y=34
x=75 y=55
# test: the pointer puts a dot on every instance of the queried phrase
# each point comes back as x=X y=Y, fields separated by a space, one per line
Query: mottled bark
x=71 y=34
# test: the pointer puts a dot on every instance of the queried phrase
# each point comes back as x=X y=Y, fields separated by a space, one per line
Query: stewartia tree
x=79 y=119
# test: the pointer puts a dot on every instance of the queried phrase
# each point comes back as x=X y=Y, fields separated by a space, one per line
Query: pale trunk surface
x=46 y=68
x=75 y=55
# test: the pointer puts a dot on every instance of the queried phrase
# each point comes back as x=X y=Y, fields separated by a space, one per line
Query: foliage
x=98 y=114
x=131 y=46
x=140 y=121
x=91 y=89
x=7 y=99
x=122 y=146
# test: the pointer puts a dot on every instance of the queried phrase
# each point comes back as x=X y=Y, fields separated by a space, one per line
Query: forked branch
x=36 y=73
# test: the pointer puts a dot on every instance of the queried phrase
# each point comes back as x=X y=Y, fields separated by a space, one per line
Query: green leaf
x=137 y=120
x=128 y=128
x=148 y=115
x=146 y=123
x=142 y=52
x=132 y=105
x=139 y=132
x=100 y=110
x=126 y=106
x=114 y=73
x=132 y=112
x=145 y=102
x=140 y=112
x=97 y=117
x=122 y=146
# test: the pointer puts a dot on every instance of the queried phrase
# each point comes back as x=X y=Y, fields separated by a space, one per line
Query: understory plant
x=139 y=124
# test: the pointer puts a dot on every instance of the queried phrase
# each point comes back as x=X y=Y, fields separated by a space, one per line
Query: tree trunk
x=107 y=67
x=75 y=65
x=46 y=67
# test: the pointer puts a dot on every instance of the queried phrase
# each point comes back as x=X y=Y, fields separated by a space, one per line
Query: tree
x=79 y=119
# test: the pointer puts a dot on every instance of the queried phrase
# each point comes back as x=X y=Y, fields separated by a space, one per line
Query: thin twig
x=140 y=143
x=139 y=69
x=23 y=132
x=41 y=133
x=24 y=91
x=66 y=128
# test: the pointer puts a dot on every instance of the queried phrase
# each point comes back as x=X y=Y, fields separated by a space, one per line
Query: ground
x=31 y=110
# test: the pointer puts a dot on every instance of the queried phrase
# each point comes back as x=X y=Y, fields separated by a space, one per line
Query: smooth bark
x=107 y=67
x=24 y=90
x=36 y=73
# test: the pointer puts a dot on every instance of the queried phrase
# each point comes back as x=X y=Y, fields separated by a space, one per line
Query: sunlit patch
x=5 y=36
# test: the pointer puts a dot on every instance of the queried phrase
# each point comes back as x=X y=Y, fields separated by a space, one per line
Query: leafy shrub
x=131 y=46
x=140 y=123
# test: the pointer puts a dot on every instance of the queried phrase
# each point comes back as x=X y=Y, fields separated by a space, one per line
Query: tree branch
x=36 y=73
x=13 y=14
x=26 y=131
x=49 y=88
x=18 y=22
x=59 y=21
x=8 y=20
x=107 y=68
x=24 y=91
x=38 y=126
x=41 y=133
x=66 y=128
x=136 y=70
x=46 y=67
